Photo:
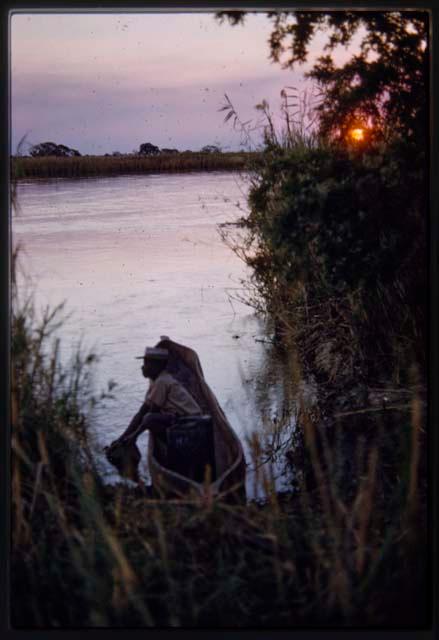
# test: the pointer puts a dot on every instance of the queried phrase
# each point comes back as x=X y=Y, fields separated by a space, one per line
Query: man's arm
x=136 y=421
x=142 y=424
x=135 y=428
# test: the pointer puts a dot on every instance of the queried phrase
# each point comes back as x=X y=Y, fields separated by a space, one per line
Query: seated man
x=165 y=401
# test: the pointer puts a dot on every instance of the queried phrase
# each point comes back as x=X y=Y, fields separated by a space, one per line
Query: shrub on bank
x=336 y=239
x=333 y=224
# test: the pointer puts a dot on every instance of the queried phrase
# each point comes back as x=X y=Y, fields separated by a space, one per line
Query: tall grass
x=341 y=277
x=340 y=550
x=83 y=166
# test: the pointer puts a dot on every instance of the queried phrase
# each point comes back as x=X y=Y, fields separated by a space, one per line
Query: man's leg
x=157 y=423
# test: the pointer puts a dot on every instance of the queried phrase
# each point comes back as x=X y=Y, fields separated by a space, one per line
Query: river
x=137 y=257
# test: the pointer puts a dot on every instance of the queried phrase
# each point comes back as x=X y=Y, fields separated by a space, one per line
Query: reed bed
x=85 y=166
x=345 y=548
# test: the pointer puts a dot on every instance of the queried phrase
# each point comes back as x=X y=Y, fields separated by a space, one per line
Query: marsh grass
x=84 y=166
x=342 y=549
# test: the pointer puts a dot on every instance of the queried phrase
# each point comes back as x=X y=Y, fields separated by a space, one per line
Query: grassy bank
x=333 y=552
x=84 y=166
x=337 y=245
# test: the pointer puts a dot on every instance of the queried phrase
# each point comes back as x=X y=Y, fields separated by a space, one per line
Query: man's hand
x=122 y=440
x=132 y=437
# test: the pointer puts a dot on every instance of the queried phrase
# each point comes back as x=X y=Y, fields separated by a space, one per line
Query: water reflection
x=272 y=395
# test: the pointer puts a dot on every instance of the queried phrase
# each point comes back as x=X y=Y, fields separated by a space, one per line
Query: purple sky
x=108 y=82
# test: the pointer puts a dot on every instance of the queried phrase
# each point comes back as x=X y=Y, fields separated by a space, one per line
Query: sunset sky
x=108 y=82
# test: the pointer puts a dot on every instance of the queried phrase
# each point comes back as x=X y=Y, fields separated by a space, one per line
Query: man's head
x=154 y=361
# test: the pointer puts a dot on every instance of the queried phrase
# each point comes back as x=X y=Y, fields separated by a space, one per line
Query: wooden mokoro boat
x=228 y=479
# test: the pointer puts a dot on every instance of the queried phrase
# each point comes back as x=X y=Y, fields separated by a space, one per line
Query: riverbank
x=85 y=166
x=342 y=549
x=341 y=273
x=360 y=459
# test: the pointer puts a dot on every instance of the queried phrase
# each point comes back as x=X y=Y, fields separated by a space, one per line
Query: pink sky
x=108 y=82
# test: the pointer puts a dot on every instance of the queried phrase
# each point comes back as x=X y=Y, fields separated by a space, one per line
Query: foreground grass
x=347 y=547
x=84 y=166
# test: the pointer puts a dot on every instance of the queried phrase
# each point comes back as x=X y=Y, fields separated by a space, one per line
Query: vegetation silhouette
x=47 y=149
x=384 y=83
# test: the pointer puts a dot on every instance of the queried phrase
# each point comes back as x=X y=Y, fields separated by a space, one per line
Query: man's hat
x=154 y=353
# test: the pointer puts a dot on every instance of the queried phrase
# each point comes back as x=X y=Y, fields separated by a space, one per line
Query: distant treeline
x=83 y=166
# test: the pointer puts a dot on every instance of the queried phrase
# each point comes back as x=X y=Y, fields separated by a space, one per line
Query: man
x=165 y=401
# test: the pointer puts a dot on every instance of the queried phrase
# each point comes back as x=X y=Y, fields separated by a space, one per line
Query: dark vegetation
x=148 y=149
x=45 y=149
x=51 y=160
x=332 y=553
x=339 y=224
x=345 y=229
x=336 y=239
x=166 y=161
x=385 y=82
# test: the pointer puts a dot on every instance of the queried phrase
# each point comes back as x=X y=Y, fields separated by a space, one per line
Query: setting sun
x=357 y=134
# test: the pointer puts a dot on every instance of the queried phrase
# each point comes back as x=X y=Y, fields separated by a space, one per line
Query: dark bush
x=45 y=149
x=345 y=224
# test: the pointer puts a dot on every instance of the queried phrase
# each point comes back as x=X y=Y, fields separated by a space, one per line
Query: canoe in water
x=220 y=454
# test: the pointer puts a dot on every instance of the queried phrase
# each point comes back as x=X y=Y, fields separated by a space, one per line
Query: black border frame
x=5 y=248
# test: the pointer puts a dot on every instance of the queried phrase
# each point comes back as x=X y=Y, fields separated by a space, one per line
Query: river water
x=137 y=257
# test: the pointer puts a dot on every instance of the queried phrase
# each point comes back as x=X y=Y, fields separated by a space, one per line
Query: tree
x=384 y=83
x=345 y=220
x=52 y=149
x=211 y=148
x=148 y=149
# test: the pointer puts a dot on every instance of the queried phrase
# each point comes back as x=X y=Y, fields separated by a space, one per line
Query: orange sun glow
x=357 y=134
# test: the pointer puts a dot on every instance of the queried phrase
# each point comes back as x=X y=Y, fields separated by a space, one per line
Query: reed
x=88 y=166
x=331 y=553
